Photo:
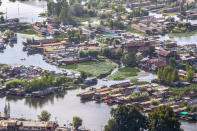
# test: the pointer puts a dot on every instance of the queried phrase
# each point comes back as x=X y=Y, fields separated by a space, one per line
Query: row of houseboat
x=21 y=92
x=142 y=96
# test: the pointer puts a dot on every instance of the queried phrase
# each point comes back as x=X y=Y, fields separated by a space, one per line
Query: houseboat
x=44 y=92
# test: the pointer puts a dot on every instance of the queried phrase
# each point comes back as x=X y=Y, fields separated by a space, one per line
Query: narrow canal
x=62 y=106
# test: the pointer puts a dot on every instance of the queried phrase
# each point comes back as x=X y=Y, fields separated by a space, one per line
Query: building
x=18 y=125
x=165 y=55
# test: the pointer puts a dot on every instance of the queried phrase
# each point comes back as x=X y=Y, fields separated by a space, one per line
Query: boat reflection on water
x=35 y=103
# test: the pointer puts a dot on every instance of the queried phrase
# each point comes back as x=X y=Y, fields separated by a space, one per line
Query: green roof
x=194 y=9
x=108 y=35
x=184 y=113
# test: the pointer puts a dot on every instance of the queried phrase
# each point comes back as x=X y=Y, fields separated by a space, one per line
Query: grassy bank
x=1 y=13
x=42 y=15
x=81 y=19
x=171 y=14
x=98 y=69
x=2 y=65
x=186 y=34
x=124 y=73
x=28 y=32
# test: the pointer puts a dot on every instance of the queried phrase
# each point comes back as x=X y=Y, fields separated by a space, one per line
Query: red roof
x=163 y=52
x=143 y=49
x=157 y=62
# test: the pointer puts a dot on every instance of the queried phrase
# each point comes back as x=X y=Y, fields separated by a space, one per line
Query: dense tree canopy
x=129 y=59
x=190 y=71
x=77 y=122
x=44 y=82
x=126 y=118
x=15 y=83
x=168 y=75
x=163 y=119
x=111 y=126
x=44 y=116
x=137 y=12
x=65 y=11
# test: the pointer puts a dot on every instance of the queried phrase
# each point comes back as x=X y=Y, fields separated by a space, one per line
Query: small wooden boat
x=23 y=59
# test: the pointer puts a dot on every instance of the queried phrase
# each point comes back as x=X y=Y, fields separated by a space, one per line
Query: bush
x=77 y=122
x=14 y=83
x=155 y=102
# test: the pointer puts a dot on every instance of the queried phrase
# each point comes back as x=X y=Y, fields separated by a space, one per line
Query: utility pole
x=18 y=10
x=43 y=6
x=6 y=14
x=101 y=127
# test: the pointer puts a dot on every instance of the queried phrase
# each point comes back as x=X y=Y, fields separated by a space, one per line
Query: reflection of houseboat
x=43 y=92
x=90 y=81
x=16 y=91
x=1 y=45
x=23 y=59
x=13 y=38
x=2 y=91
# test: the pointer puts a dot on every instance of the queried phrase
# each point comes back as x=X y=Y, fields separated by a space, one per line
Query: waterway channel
x=62 y=106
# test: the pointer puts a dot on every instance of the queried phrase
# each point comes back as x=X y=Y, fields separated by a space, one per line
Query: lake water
x=13 y=55
x=180 y=40
x=27 y=11
x=62 y=106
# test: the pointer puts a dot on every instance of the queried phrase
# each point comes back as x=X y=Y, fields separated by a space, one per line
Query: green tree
x=76 y=10
x=44 y=116
x=154 y=102
x=2 y=19
x=171 y=27
x=175 y=76
x=83 y=75
x=15 y=83
x=65 y=14
x=111 y=24
x=106 y=52
x=160 y=75
x=180 y=25
x=189 y=75
x=82 y=54
x=190 y=71
x=163 y=119
x=93 y=53
x=151 y=50
x=118 y=53
x=172 y=62
x=77 y=122
x=191 y=53
x=111 y=125
x=101 y=23
x=129 y=59
x=168 y=75
x=170 y=99
x=188 y=25
x=128 y=119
